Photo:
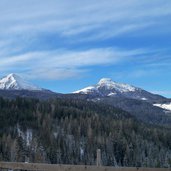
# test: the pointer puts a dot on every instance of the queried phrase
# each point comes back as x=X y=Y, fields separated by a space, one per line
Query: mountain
x=15 y=82
x=13 y=86
x=68 y=128
x=145 y=106
x=108 y=88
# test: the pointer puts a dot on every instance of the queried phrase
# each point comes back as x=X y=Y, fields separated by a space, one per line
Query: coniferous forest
x=69 y=131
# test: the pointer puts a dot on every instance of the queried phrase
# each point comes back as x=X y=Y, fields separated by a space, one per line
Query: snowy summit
x=15 y=82
x=107 y=87
x=109 y=84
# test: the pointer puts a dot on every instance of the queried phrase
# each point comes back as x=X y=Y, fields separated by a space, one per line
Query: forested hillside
x=70 y=131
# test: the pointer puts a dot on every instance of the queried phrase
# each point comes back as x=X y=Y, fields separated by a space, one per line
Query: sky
x=67 y=45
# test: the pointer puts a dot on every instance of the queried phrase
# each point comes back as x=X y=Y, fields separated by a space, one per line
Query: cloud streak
x=62 y=64
x=59 y=39
x=72 y=18
x=23 y=23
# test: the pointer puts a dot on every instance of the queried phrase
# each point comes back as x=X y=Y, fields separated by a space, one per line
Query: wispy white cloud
x=46 y=73
x=75 y=21
x=136 y=73
x=72 y=18
x=61 y=64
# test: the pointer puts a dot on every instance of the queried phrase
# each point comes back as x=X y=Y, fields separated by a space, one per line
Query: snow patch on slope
x=111 y=94
x=87 y=90
x=143 y=98
x=164 y=106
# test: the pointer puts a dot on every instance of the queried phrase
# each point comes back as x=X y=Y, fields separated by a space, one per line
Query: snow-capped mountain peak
x=107 y=87
x=15 y=82
x=120 y=87
x=105 y=81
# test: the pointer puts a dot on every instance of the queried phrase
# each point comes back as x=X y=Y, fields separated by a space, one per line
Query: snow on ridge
x=143 y=98
x=15 y=82
x=109 y=84
x=112 y=94
x=87 y=90
x=166 y=106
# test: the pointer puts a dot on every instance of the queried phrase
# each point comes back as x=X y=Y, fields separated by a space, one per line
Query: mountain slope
x=140 y=103
x=69 y=131
x=15 y=82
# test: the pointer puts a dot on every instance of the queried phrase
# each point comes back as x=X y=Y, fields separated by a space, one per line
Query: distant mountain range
x=144 y=105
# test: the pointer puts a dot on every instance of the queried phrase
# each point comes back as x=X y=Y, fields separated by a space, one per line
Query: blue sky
x=67 y=45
